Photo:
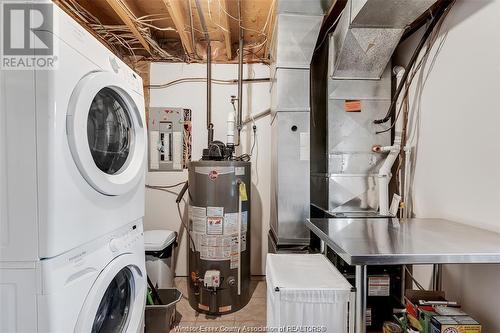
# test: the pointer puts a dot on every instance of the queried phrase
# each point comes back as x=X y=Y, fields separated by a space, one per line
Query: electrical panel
x=169 y=132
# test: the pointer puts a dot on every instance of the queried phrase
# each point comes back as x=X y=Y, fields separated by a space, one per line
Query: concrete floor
x=250 y=318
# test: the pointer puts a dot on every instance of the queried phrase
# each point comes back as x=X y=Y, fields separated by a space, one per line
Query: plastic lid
x=304 y=272
x=158 y=240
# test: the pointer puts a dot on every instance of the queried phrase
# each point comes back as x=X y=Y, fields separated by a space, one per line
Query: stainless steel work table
x=364 y=242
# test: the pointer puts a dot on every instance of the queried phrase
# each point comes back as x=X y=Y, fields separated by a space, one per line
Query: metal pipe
x=240 y=84
x=361 y=292
x=239 y=114
x=210 y=126
x=437 y=277
x=257 y=116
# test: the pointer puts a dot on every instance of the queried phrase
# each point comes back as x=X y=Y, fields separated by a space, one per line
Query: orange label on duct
x=351 y=105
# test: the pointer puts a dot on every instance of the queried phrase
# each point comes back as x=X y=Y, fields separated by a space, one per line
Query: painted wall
x=457 y=173
x=161 y=210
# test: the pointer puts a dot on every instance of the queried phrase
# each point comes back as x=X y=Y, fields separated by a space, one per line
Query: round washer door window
x=109 y=131
x=114 y=309
x=106 y=133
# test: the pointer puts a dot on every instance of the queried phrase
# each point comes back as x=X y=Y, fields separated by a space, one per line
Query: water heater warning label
x=198 y=217
x=215 y=211
x=215 y=225
x=215 y=234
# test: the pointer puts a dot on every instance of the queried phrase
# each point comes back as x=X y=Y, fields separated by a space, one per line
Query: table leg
x=361 y=292
x=437 y=275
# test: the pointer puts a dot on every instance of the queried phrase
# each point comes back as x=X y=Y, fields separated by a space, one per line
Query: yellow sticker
x=243 y=192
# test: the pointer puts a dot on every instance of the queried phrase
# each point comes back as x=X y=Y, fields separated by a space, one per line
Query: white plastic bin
x=306 y=293
x=159 y=246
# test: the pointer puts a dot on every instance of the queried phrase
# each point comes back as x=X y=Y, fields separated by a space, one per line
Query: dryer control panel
x=125 y=239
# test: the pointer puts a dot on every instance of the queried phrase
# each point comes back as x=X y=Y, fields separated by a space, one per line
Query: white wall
x=458 y=156
x=161 y=211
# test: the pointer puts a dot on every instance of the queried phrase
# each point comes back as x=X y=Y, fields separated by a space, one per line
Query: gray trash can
x=159 y=246
x=159 y=318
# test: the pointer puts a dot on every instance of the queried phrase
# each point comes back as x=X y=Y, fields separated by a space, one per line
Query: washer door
x=106 y=134
x=115 y=303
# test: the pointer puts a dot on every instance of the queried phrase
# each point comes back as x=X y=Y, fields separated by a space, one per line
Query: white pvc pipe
x=230 y=128
x=384 y=174
x=384 y=177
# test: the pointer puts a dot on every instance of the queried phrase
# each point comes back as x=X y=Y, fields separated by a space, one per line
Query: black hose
x=414 y=57
x=181 y=193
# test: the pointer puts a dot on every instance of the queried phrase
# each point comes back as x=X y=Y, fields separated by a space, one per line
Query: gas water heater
x=219 y=212
x=219 y=226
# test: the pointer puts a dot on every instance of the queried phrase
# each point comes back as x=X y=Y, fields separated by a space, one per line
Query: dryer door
x=106 y=133
x=115 y=304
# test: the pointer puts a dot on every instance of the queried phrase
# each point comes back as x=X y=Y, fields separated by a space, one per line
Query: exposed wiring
x=155 y=187
x=440 y=14
x=261 y=32
x=204 y=80
x=415 y=68
x=121 y=34
x=254 y=128
x=334 y=24
x=185 y=226
x=414 y=125
x=164 y=188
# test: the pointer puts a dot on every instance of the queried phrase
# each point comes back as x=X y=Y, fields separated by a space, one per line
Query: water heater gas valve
x=212 y=279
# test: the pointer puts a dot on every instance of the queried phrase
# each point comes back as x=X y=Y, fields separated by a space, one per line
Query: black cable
x=203 y=80
x=415 y=70
x=254 y=128
x=156 y=187
x=412 y=61
x=182 y=192
x=333 y=25
x=185 y=226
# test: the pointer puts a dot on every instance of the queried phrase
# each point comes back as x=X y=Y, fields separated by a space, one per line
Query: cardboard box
x=412 y=298
x=454 y=324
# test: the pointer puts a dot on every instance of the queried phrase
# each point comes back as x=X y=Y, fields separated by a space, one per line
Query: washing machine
x=98 y=287
x=73 y=147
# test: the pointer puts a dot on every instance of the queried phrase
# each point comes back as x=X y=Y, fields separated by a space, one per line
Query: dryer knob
x=115 y=244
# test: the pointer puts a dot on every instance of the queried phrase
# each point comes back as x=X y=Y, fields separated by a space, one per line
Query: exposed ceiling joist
x=170 y=30
x=178 y=14
x=124 y=16
x=226 y=29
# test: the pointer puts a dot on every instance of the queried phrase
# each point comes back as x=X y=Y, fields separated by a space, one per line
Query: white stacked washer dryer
x=72 y=167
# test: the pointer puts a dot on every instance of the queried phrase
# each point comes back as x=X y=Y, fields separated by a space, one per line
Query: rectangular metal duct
x=294 y=39
x=368 y=33
x=303 y=7
x=295 y=34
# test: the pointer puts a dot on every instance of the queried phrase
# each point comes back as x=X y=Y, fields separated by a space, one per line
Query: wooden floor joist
x=226 y=29
x=177 y=13
x=124 y=16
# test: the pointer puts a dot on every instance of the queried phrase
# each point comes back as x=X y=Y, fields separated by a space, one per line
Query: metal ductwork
x=296 y=30
x=368 y=33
